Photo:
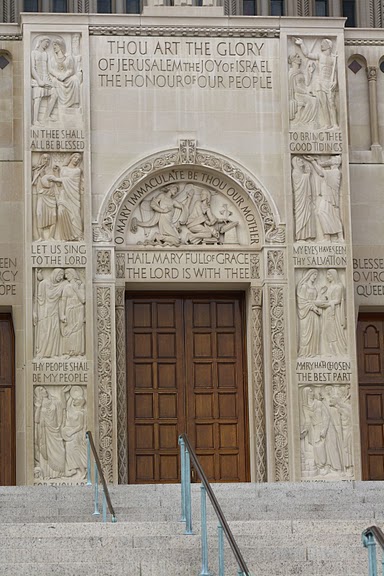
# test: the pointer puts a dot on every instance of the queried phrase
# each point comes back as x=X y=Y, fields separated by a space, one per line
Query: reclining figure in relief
x=185 y=216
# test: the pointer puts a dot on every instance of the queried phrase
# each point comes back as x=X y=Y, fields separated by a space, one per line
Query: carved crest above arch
x=188 y=156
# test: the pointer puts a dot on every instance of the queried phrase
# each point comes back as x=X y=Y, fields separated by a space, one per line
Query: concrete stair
x=282 y=529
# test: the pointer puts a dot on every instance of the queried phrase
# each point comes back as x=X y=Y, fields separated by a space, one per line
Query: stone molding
x=103 y=229
x=219 y=31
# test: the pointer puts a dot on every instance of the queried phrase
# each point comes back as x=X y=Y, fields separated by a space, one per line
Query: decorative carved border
x=258 y=384
x=11 y=37
x=275 y=263
x=279 y=380
x=255 y=266
x=103 y=262
x=103 y=229
x=104 y=373
x=122 y=442
x=364 y=42
x=220 y=31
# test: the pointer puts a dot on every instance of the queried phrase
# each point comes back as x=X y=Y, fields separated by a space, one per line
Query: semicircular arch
x=273 y=230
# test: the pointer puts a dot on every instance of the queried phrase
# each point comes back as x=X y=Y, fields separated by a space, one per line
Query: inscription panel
x=185 y=265
x=185 y=63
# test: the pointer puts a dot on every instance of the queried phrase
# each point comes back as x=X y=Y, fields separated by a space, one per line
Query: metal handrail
x=92 y=447
x=216 y=506
x=369 y=537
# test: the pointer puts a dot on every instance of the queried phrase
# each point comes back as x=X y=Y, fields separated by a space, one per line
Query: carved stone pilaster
x=104 y=373
x=279 y=383
x=373 y=111
x=258 y=384
x=121 y=386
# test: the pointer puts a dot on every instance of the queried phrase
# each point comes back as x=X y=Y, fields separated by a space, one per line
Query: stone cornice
x=221 y=31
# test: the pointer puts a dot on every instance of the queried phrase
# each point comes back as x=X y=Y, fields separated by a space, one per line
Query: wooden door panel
x=185 y=373
x=155 y=392
x=216 y=402
x=6 y=351
x=370 y=349
x=7 y=403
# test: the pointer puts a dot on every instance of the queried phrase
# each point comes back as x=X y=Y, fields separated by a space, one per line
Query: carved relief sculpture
x=56 y=72
x=59 y=313
x=58 y=192
x=321 y=83
x=44 y=198
x=303 y=104
x=179 y=215
x=321 y=317
x=309 y=314
x=326 y=432
x=41 y=82
x=60 y=426
x=73 y=314
x=316 y=187
x=334 y=315
x=305 y=223
x=328 y=206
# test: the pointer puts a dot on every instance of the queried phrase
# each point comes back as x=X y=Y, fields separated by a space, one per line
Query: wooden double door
x=370 y=348
x=186 y=373
x=7 y=402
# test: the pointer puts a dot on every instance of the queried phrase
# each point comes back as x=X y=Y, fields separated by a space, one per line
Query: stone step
x=287 y=529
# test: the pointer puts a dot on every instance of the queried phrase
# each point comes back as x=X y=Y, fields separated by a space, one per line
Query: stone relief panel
x=313 y=84
x=316 y=186
x=57 y=197
x=118 y=207
x=56 y=78
x=60 y=423
x=59 y=312
x=182 y=214
x=321 y=310
x=326 y=432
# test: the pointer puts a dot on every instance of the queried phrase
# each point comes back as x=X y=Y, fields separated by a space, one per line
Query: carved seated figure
x=201 y=222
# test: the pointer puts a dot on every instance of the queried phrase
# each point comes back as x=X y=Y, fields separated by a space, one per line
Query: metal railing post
x=182 y=473
x=370 y=544
x=96 y=492
x=204 y=536
x=104 y=507
x=188 y=505
x=98 y=476
x=192 y=460
x=220 y=537
x=89 y=481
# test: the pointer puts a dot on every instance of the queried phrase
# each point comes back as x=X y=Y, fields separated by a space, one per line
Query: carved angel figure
x=164 y=205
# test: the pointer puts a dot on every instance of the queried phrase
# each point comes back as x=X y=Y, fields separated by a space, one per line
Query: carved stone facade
x=180 y=159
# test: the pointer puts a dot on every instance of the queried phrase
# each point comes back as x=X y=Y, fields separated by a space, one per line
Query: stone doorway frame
x=267 y=383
